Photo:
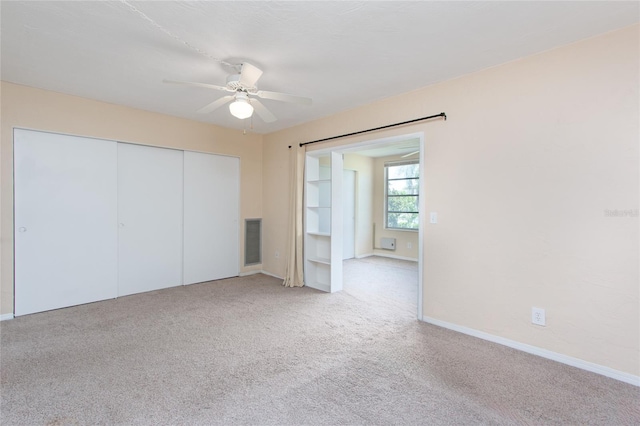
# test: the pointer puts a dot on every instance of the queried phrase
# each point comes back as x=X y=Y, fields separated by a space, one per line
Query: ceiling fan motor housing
x=233 y=83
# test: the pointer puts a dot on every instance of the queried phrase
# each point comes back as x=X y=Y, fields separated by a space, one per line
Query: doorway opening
x=379 y=258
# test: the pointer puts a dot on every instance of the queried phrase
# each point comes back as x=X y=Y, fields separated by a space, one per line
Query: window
x=401 y=197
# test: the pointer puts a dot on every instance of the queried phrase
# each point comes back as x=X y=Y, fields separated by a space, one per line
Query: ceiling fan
x=243 y=86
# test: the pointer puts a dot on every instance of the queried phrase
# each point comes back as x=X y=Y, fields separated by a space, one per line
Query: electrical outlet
x=409 y=245
x=538 y=317
x=277 y=254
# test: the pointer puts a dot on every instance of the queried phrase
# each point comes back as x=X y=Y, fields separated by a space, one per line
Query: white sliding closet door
x=65 y=220
x=149 y=218
x=211 y=211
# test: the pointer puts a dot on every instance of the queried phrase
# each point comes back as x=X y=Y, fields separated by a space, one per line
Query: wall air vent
x=252 y=241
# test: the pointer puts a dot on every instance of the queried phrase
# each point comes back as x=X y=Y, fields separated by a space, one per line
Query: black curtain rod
x=442 y=114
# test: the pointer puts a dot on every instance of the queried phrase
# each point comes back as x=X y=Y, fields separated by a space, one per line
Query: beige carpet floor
x=249 y=351
x=376 y=276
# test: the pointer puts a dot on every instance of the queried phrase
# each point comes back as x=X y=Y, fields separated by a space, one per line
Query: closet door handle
x=22 y=229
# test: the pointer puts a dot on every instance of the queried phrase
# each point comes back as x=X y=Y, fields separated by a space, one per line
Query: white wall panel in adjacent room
x=150 y=190
x=348 y=214
x=65 y=220
x=211 y=215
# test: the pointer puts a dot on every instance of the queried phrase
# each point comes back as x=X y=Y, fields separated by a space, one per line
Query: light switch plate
x=433 y=217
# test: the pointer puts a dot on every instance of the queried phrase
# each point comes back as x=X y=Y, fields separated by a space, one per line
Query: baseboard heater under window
x=388 y=243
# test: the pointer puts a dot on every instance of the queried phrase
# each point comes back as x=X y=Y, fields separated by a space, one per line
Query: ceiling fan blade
x=262 y=111
x=410 y=154
x=276 y=96
x=249 y=75
x=215 y=104
x=205 y=85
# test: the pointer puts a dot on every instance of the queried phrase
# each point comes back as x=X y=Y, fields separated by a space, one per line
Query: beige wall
x=363 y=166
x=404 y=239
x=533 y=153
x=49 y=111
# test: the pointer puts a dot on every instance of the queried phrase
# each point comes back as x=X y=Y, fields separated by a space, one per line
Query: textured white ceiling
x=341 y=54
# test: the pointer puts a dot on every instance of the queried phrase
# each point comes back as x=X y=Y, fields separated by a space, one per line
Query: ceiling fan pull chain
x=170 y=34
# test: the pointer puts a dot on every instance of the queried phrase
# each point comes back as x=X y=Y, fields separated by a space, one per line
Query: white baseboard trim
x=393 y=256
x=362 y=256
x=5 y=317
x=271 y=275
x=247 y=273
x=564 y=359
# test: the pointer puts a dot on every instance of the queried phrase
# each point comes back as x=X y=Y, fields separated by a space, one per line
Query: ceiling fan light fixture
x=241 y=85
x=241 y=108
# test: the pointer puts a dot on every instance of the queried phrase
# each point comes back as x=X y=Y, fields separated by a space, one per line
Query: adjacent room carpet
x=249 y=351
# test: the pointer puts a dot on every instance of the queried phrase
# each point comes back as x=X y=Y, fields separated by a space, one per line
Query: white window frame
x=386 y=195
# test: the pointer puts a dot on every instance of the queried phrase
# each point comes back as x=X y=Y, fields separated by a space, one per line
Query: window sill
x=401 y=229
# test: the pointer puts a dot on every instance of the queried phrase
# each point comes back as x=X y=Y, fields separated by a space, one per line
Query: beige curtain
x=294 y=275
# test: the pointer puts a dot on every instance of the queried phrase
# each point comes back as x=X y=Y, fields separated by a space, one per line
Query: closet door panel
x=211 y=212
x=150 y=190
x=65 y=220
